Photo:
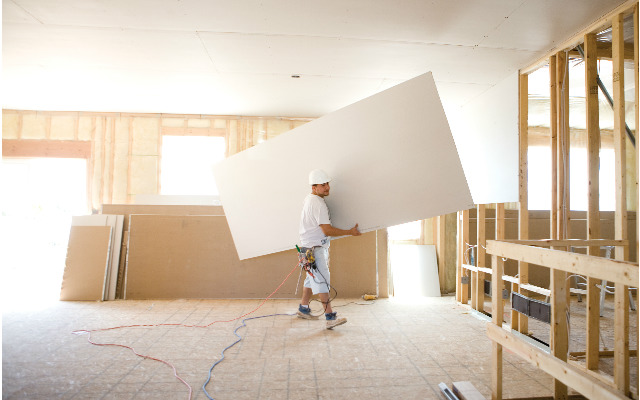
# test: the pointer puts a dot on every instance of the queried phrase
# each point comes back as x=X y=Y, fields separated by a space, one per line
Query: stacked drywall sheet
x=87 y=262
x=173 y=256
x=116 y=222
x=128 y=209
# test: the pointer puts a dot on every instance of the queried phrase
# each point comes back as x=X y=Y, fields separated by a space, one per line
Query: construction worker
x=315 y=230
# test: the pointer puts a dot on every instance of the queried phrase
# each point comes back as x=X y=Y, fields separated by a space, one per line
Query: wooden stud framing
x=559 y=332
x=570 y=375
x=621 y=300
x=460 y=254
x=593 y=211
x=602 y=268
x=521 y=322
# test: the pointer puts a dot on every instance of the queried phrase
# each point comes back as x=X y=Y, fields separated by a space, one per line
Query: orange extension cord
x=175 y=372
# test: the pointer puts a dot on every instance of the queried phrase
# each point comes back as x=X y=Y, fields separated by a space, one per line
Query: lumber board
x=611 y=270
x=621 y=300
x=521 y=322
x=481 y=255
x=593 y=208
x=553 y=142
x=465 y=239
x=46 y=148
x=569 y=242
x=568 y=374
x=466 y=391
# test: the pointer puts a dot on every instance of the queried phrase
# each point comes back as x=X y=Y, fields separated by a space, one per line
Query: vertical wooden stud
x=559 y=340
x=553 y=125
x=464 y=299
x=440 y=245
x=521 y=322
x=460 y=253
x=130 y=155
x=621 y=299
x=593 y=211
x=480 y=256
x=497 y=311
x=562 y=143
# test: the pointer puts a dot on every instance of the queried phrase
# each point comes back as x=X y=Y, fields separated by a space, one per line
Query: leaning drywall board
x=415 y=270
x=86 y=264
x=116 y=222
x=391 y=156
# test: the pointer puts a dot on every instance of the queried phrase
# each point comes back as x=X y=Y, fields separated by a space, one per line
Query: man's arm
x=330 y=230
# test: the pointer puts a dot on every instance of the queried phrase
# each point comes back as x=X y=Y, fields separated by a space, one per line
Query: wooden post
x=559 y=338
x=480 y=257
x=621 y=317
x=497 y=311
x=464 y=299
x=593 y=212
x=521 y=322
x=562 y=160
x=553 y=126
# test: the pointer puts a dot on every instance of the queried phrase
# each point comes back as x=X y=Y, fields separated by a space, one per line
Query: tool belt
x=306 y=259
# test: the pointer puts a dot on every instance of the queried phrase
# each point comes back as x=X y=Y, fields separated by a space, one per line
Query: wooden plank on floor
x=466 y=391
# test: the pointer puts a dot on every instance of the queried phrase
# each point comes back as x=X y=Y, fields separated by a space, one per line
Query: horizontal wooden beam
x=623 y=272
x=569 y=242
x=568 y=374
x=603 y=353
x=46 y=148
x=535 y=289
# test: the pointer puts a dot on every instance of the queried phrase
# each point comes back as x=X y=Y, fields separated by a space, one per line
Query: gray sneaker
x=305 y=313
x=333 y=320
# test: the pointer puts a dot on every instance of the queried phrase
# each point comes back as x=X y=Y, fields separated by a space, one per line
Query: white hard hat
x=318 y=177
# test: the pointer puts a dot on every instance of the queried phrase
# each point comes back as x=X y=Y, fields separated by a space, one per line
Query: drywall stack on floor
x=86 y=264
x=189 y=256
x=128 y=209
x=116 y=222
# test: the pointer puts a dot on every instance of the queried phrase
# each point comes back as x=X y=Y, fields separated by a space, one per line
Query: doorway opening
x=38 y=196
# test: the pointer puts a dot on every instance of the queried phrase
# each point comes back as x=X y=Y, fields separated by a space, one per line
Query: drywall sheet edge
x=486 y=135
x=86 y=263
x=391 y=156
x=116 y=222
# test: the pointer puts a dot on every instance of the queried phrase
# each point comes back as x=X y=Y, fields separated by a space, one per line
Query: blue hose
x=235 y=332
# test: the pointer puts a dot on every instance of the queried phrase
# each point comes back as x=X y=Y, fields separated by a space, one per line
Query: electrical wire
x=175 y=372
x=235 y=332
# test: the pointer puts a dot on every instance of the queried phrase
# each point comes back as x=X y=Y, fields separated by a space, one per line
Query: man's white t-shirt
x=314 y=213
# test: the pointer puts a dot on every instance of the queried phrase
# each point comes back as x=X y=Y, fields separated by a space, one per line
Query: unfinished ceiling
x=238 y=57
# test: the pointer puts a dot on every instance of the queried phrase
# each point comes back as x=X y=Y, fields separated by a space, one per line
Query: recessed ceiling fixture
x=295 y=76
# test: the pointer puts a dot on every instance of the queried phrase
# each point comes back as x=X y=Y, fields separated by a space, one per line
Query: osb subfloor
x=387 y=350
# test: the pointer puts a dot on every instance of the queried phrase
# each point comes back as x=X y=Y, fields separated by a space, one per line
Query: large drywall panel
x=86 y=264
x=193 y=257
x=391 y=156
x=486 y=135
